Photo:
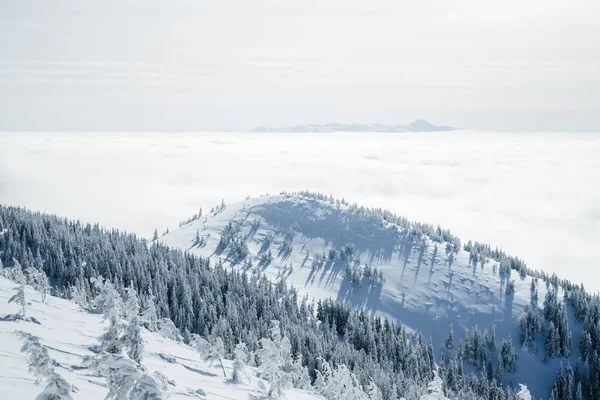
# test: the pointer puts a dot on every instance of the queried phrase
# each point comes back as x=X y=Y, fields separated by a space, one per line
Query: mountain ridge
x=419 y=125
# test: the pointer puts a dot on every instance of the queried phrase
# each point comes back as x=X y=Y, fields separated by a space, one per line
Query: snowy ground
x=528 y=193
x=67 y=331
x=422 y=290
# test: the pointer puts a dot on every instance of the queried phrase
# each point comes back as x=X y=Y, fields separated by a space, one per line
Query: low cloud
x=478 y=185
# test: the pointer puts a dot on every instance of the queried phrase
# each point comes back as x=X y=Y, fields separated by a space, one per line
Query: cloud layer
x=534 y=195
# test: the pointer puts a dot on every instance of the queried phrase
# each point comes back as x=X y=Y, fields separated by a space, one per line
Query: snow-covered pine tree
x=579 y=392
x=523 y=393
x=275 y=361
x=147 y=388
x=323 y=377
x=490 y=339
x=240 y=372
x=373 y=391
x=163 y=382
x=552 y=348
x=120 y=372
x=19 y=299
x=132 y=337
x=150 y=317
x=40 y=363
x=112 y=305
x=209 y=352
x=56 y=389
x=509 y=356
x=449 y=343
x=300 y=376
x=41 y=284
x=79 y=293
x=345 y=386
x=15 y=273
x=166 y=327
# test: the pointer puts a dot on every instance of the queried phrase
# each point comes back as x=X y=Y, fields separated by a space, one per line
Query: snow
x=527 y=193
x=67 y=331
x=424 y=293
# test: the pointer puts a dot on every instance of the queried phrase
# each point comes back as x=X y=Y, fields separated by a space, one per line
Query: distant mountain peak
x=419 y=125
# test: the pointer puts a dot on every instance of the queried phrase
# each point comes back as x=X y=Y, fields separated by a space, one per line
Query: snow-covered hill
x=67 y=332
x=316 y=244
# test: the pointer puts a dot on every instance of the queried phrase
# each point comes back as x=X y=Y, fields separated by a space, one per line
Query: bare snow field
x=536 y=195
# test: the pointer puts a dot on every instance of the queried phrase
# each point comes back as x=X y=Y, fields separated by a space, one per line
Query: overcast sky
x=235 y=64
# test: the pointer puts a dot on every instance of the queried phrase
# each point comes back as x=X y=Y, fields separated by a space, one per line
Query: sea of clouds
x=536 y=195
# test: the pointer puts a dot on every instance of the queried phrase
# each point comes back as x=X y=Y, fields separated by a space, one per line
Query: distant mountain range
x=419 y=125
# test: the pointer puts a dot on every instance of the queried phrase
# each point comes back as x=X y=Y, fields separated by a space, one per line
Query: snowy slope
x=67 y=331
x=423 y=289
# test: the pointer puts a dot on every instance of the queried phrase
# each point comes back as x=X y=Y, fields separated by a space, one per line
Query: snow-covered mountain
x=419 y=125
x=330 y=249
x=68 y=332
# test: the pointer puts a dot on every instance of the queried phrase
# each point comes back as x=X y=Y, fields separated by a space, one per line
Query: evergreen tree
x=275 y=361
x=112 y=305
x=373 y=391
x=41 y=284
x=147 y=388
x=150 y=317
x=120 y=372
x=300 y=375
x=449 y=343
x=40 y=363
x=56 y=389
x=490 y=339
x=523 y=393
x=240 y=372
x=552 y=348
x=132 y=338
x=210 y=353
x=19 y=299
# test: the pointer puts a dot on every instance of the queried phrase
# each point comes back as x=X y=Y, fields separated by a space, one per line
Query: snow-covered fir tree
x=275 y=361
x=132 y=335
x=40 y=363
x=300 y=375
x=449 y=343
x=373 y=391
x=210 y=352
x=19 y=299
x=57 y=388
x=120 y=372
x=523 y=393
x=147 y=388
x=112 y=306
x=150 y=317
x=240 y=371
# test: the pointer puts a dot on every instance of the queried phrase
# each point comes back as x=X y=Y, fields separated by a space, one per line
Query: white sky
x=234 y=64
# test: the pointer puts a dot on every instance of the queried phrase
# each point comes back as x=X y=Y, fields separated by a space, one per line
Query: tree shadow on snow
x=337 y=227
x=198 y=371
x=257 y=397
